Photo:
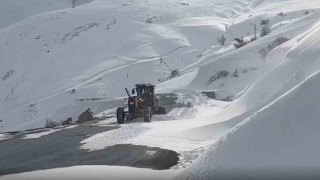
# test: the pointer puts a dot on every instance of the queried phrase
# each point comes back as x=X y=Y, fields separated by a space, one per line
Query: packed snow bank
x=235 y=70
x=164 y=130
x=279 y=141
x=308 y=47
x=282 y=73
x=301 y=62
x=94 y=173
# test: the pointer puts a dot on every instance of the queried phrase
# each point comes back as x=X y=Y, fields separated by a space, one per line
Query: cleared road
x=61 y=149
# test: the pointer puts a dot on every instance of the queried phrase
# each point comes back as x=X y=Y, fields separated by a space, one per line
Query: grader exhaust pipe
x=128 y=92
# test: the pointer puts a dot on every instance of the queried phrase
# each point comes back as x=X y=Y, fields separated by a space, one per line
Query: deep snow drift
x=280 y=141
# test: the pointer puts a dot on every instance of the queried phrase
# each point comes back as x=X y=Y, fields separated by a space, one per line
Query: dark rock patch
x=85 y=117
x=210 y=94
x=69 y=121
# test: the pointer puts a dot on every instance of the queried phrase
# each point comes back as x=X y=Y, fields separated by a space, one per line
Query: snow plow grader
x=143 y=104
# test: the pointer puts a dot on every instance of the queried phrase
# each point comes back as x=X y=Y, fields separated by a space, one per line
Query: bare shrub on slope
x=265 y=51
x=265 y=30
x=240 y=42
x=222 y=40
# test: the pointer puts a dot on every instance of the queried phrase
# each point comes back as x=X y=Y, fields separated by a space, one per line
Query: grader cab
x=143 y=104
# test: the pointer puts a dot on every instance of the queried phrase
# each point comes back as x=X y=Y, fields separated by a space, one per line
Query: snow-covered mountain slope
x=56 y=65
x=13 y=11
x=96 y=50
x=290 y=71
x=52 y=63
x=279 y=141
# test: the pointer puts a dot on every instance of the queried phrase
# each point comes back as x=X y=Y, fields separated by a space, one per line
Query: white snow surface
x=279 y=140
x=51 y=61
x=94 y=173
x=13 y=11
x=95 y=51
x=56 y=65
x=40 y=134
x=164 y=131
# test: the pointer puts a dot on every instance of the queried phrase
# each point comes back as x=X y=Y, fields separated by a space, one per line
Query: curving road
x=61 y=149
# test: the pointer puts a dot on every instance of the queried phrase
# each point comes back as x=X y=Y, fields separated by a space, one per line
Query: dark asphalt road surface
x=61 y=149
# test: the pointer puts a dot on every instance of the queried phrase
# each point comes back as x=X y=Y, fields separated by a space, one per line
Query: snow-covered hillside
x=264 y=112
x=98 y=49
x=13 y=11
x=280 y=141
